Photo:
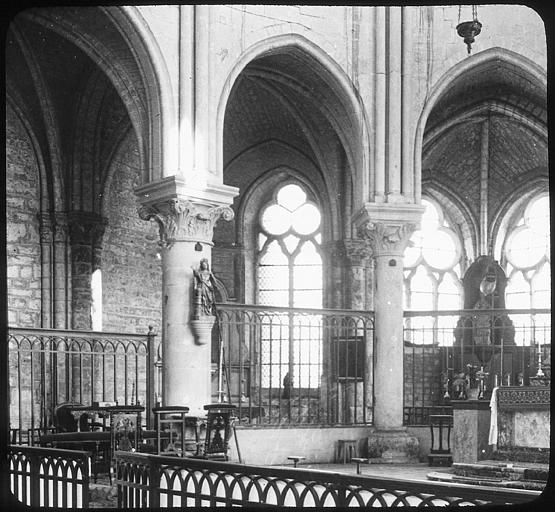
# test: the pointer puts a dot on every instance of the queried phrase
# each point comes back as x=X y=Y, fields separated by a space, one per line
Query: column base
x=393 y=446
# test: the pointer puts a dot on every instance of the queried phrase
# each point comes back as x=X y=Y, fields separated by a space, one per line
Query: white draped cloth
x=493 y=419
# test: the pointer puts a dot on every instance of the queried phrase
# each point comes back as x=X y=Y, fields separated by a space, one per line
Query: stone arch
x=473 y=64
x=344 y=94
x=49 y=183
x=140 y=77
x=48 y=151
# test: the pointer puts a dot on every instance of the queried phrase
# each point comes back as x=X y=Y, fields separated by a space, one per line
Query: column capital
x=183 y=213
x=387 y=239
x=60 y=227
x=388 y=228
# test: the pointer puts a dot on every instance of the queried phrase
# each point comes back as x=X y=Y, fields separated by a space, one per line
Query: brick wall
x=131 y=270
x=22 y=227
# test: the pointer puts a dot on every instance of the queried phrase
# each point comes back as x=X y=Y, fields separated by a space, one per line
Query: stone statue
x=204 y=290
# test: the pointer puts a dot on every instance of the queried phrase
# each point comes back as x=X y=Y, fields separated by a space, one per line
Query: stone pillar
x=388 y=229
x=186 y=219
x=46 y=232
x=86 y=232
x=357 y=261
x=61 y=276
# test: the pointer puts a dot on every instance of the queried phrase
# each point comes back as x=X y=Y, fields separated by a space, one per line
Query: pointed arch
x=474 y=64
x=352 y=128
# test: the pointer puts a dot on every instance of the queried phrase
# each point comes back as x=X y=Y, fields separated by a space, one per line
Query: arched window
x=527 y=260
x=432 y=273
x=289 y=273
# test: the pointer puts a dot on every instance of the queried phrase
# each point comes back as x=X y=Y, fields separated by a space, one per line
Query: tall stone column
x=186 y=219
x=388 y=230
x=46 y=233
x=61 y=276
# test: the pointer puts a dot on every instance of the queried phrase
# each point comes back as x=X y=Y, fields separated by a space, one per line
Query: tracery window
x=432 y=273
x=527 y=260
x=289 y=273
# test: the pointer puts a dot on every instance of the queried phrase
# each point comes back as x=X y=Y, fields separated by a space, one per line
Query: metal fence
x=48 y=367
x=49 y=478
x=297 y=366
x=162 y=482
x=446 y=352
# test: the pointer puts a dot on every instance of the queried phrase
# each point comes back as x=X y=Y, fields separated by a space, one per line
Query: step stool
x=296 y=458
x=359 y=461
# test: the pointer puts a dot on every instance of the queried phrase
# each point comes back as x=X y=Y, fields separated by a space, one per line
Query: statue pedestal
x=471 y=421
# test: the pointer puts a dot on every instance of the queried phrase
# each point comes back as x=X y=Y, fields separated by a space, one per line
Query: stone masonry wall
x=23 y=261
x=131 y=269
x=22 y=227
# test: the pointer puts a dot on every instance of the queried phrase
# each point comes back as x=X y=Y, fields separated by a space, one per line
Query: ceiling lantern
x=468 y=30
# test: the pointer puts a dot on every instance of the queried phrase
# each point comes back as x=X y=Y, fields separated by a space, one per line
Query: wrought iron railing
x=49 y=478
x=163 y=482
x=446 y=351
x=297 y=366
x=48 y=367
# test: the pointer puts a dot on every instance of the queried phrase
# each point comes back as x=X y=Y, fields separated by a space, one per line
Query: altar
x=523 y=423
x=500 y=389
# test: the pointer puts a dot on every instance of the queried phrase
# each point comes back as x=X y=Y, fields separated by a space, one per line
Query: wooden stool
x=346 y=444
x=296 y=458
x=358 y=460
x=170 y=426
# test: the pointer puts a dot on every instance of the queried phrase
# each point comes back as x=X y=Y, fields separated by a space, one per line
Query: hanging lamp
x=468 y=30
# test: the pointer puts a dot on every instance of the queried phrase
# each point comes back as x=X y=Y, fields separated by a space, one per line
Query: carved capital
x=60 y=228
x=182 y=220
x=387 y=239
x=86 y=228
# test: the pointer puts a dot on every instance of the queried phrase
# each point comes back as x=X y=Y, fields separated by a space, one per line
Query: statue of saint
x=204 y=289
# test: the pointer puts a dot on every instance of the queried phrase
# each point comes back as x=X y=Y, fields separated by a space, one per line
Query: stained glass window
x=290 y=274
